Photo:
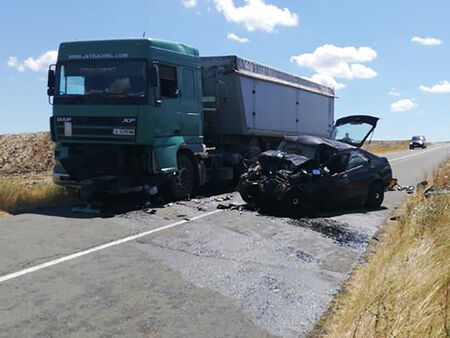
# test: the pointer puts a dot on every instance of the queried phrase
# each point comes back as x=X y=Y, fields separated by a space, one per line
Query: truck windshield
x=101 y=80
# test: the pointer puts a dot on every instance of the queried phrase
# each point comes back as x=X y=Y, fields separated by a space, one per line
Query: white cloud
x=257 y=15
x=189 y=3
x=39 y=64
x=326 y=80
x=14 y=62
x=441 y=87
x=427 y=41
x=237 y=38
x=330 y=62
x=394 y=92
x=403 y=105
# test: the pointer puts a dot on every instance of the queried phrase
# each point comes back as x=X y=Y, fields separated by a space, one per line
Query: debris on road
x=436 y=191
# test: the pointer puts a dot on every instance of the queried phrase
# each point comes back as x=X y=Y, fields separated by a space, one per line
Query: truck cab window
x=168 y=81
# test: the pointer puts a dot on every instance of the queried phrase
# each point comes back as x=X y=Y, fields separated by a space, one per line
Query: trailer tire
x=182 y=185
x=375 y=196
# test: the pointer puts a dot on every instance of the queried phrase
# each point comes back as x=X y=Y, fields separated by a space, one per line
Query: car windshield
x=416 y=138
x=291 y=147
x=102 y=78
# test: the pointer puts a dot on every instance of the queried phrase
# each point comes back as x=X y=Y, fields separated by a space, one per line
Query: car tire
x=293 y=203
x=246 y=196
x=375 y=196
x=411 y=148
x=182 y=185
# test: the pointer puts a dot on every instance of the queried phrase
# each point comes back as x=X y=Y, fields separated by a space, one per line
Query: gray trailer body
x=242 y=97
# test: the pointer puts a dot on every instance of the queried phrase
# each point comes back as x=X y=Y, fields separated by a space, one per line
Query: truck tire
x=375 y=196
x=182 y=185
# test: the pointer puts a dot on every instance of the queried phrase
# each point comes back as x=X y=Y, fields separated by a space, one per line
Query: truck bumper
x=65 y=180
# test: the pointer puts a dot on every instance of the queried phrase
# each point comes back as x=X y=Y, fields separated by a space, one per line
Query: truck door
x=167 y=101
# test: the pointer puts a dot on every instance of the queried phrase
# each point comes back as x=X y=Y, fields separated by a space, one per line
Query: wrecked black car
x=307 y=172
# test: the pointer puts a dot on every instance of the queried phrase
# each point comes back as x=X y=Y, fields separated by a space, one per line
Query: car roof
x=316 y=141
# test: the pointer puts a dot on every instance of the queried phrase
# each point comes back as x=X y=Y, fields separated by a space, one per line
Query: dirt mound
x=26 y=154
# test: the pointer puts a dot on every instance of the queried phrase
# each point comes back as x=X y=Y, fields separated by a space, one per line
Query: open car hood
x=354 y=129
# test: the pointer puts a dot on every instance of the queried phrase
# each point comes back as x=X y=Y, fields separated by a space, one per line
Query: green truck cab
x=124 y=109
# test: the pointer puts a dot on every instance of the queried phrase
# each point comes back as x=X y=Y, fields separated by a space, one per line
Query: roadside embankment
x=404 y=288
x=26 y=162
x=384 y=147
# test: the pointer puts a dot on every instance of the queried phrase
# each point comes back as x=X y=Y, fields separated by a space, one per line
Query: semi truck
x=151 y=115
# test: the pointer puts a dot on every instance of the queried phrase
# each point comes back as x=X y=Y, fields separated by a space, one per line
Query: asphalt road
x=189 y=270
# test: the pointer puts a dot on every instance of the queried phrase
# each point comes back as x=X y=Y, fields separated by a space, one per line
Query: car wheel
x=245 y=194
x=293 y=203
x=182 y=185
x=375 y=196
x=411 y=147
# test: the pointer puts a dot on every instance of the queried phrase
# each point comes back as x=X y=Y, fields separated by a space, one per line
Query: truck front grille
x=87 y=128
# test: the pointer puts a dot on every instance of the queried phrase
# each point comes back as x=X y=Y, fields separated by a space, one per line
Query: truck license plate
x=123 y=131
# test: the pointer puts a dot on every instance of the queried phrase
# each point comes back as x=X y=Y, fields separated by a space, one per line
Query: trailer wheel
x=375 y=196
x=183 y=184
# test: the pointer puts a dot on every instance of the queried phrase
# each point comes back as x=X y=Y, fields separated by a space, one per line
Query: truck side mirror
x=154 y=81
x=51 y=80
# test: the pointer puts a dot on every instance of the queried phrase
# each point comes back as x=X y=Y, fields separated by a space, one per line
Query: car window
x=356 y=159
x=338 y=163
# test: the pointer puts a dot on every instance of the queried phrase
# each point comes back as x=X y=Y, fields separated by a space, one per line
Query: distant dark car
x=418 y=142
x=309 y=171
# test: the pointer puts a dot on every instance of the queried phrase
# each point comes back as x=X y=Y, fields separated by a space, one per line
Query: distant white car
x=418 y=142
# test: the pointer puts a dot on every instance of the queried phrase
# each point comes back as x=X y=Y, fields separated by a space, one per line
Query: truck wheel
x=375 y=196
x=183 y=184
x=293 y=203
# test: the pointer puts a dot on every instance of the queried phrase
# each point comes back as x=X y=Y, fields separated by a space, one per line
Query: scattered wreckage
x=309 y=171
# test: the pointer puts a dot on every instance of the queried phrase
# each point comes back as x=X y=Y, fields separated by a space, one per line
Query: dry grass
x=16 y=197
x=404 y=289
x=383 y=147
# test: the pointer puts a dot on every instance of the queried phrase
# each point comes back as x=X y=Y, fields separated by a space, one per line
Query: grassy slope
x=404 y=289
x=383 y=147
x=16 y=197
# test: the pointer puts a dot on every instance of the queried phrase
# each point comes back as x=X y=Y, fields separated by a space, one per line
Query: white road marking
x=421 y=152
x=100 y=247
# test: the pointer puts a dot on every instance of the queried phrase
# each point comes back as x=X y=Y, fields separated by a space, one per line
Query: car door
x=358 y=176
x=354 y=129
x=335 y=187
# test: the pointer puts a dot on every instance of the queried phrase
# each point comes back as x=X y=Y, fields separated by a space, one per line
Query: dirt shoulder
x=403 y=290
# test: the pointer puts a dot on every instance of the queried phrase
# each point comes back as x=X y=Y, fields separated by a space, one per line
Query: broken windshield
x=101 y=79
x=291 y=147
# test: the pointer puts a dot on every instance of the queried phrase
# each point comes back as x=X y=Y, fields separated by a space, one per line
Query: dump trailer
x=150 y=115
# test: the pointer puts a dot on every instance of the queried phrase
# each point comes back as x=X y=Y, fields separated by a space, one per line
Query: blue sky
x=380 y=56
